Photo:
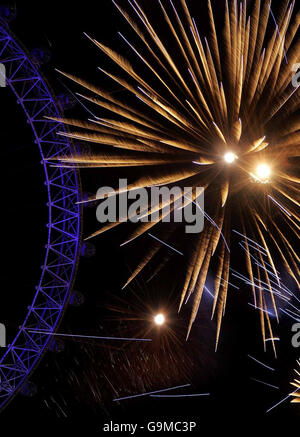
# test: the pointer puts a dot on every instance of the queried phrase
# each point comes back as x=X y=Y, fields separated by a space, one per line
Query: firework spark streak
x=265 y=383
x=92 y=337
x=226 y=101
x=153 y=392
x=259 y=362
x=181 y=396
x=296 y=383
x=175 y=250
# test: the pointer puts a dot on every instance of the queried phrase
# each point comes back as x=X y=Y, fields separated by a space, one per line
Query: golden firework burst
x=217 y=112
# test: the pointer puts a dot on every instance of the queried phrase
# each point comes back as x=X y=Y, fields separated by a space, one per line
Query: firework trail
x=296 y=383
x=227 y=101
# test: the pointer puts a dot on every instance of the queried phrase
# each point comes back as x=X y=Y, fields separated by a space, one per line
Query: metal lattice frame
x=62 y=249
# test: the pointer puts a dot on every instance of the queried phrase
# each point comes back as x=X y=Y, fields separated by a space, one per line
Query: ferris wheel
x=64 y=226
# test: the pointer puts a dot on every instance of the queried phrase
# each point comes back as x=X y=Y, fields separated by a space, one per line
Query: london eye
x=50 y=297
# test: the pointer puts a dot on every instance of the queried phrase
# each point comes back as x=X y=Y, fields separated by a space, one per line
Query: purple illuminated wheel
x=64 y=227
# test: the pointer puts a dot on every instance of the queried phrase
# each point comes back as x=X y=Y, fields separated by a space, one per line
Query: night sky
x=76 y=387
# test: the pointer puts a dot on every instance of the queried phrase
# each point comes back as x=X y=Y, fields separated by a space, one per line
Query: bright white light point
x=229 y=157
x=159 y=319
x=263 y=171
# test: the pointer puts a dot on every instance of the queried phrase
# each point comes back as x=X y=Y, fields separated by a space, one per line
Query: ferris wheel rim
x=64 y=227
